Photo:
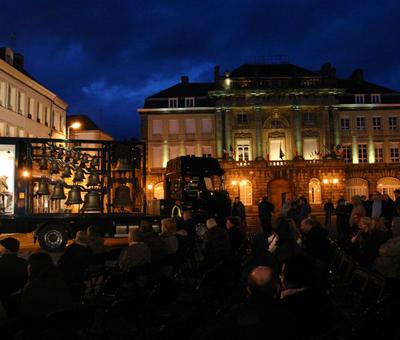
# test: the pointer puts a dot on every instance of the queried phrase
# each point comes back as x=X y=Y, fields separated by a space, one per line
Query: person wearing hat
x=13 y=269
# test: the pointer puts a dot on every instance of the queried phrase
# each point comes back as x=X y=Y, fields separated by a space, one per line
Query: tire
x=53 y=238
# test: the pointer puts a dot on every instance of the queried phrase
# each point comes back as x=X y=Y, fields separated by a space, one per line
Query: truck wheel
x=53 y=238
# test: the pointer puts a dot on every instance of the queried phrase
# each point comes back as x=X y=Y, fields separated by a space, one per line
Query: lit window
x=379 y=154
x=375 y=98
x=190 y=126
x=173 y=152
x=172 y=102
x=157 y=160
x=347 y=154
x=157 y=127
x=361 y=123
x=246 y=192
x=345 y=124
x=359 y=98
x=173 y=126
x=242 y=118
x=392 y=123
x=314 y=190
x=206 y=125
x=206 y=151
x=190 y=150
x=189 y=102
x=243 y=151
x=394 y=154
x=377 y=123
x=362 y=153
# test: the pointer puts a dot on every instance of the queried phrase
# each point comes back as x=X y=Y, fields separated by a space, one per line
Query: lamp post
x=74 y=126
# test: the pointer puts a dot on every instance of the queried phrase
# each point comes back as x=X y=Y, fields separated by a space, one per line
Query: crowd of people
x=272 y=283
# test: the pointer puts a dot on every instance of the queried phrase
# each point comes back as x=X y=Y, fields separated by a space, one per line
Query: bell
x=93 y=179
x=92 y=201
x=43 y=187
x=74 y=196
x=94 y=162
x=85 y=158
x=67 y=173
x=124 y=164
x=79 y=175
x=43 y=164
x=58 y=192
x=67 y=156
x=122 y=196
x=54 y=167
x=76 y=155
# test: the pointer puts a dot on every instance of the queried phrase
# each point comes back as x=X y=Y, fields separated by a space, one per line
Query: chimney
x=19 y=61
x=216 y=72
x=184 y=79
x=358 y=75
x=7 y=55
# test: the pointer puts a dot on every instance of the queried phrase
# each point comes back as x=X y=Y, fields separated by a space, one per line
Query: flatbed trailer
x=42 y=182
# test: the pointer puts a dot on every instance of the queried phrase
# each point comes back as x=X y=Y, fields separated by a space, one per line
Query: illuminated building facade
x=27 y=108
x=280 y=129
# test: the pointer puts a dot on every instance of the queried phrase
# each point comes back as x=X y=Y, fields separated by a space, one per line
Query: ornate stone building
x=280 y=129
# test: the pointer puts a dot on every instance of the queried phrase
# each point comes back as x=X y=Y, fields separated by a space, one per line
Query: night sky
x=104 y=57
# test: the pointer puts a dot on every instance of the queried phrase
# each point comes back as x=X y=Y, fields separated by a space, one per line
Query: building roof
x=271 y=70
x=86 y=122
x=185 y=90
x=362 y=86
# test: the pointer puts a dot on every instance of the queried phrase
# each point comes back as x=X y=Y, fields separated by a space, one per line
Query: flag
x=281 y=154
x=232 y=152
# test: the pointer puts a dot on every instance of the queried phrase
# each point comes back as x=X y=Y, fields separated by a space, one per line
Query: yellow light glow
x=243 y=182
x=25 y=173
x=234 y=182
x=325 y=181
x=335 y=181
x=75 y=125
x=150 y=186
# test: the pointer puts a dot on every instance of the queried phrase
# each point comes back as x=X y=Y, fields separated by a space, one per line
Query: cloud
x=105 y=57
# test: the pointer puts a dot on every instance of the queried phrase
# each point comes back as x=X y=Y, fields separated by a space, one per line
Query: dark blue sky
x=104 y=57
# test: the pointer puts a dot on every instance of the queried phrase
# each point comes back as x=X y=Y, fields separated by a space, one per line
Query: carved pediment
x=276 y=134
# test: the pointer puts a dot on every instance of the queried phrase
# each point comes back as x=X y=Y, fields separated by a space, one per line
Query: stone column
x=219 y=134
x=371 y=150
x=331 y=129
x=336 y=124
x=386 y=151
x=228 y=131
x=354 y=151
x=259 y=144
x=297 y=131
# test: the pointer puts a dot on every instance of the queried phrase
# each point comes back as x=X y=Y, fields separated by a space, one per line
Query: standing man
x=396 y=201
x=376 y=211
x=239 y=210
x=328 y=208
x=265 y=210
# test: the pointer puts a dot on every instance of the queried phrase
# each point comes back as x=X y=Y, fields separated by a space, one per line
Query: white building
x=27 y=108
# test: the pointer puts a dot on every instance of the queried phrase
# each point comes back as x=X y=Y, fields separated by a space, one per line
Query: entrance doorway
x=278 y=189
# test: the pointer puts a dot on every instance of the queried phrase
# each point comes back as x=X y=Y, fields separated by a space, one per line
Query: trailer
x=53 y=188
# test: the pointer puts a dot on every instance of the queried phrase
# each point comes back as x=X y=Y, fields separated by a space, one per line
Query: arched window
x=356 y=186
x=314 y=190
x=387 y=185
x=159 y=191
x=246 y=192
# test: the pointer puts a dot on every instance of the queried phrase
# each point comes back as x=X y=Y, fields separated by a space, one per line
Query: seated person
x=13 y=269
x=315 y=240
x=153 y=240
x=74 y=263
x=308 y=306
x=138 y=253
x=45 y=292
x=95 y=241
x=168 y=236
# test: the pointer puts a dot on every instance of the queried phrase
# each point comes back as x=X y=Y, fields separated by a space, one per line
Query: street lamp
x=74 y=125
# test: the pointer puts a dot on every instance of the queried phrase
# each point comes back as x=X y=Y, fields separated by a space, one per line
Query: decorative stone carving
x=310 y=133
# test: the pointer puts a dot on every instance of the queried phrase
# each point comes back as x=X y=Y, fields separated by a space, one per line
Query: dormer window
x=172 y=102
x=189 y=102
x=375 y=98
x=359 y=98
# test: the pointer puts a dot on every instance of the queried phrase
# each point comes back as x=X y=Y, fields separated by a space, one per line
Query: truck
x=197 y=182
x=55 y=187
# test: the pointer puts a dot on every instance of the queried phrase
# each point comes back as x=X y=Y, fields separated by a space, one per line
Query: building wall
x=27 y=109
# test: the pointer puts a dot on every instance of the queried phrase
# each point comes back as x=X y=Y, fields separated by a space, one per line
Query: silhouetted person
x=138 y=252
x=236 y=237
x=239 y=210
x=315 y=240
x=342 y=212
x=329 y=209
x=265 y=210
